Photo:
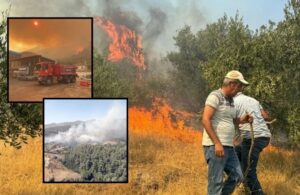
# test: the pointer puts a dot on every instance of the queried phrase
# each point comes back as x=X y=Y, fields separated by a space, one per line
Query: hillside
x=103 y=162
x=54 y=128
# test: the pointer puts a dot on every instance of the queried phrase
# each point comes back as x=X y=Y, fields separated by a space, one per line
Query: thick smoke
x=154 y=28
x=156 y=20
x=52 y=38
x=113 y=12
x=112 y=126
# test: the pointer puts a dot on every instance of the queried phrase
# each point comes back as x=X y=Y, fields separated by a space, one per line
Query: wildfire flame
x=162 y=120
x=126 y=43
x=158 y=121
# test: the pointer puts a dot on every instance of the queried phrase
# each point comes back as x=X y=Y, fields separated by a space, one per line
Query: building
x=28 y=61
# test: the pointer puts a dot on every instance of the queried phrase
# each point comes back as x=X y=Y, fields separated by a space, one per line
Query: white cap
x=236 y=75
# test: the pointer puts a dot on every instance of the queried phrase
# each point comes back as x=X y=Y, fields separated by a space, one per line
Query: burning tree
x=126 y=43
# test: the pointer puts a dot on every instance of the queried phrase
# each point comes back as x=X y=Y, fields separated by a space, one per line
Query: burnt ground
x=33 y=91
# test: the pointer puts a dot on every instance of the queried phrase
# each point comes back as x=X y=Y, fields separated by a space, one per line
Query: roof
x=28 y=57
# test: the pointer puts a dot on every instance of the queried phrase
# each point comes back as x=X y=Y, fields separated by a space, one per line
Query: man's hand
x=246 y=119
x=219 y=150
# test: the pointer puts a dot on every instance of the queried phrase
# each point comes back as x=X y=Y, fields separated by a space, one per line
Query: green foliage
x=106 y=80
x=17 y=121
x=269 y=59
x=123 y=79
x=104 y=163
x=225 y=45
x=187 y=85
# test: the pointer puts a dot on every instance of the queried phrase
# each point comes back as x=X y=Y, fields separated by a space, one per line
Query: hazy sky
x=53 y=38
x=57 y=111
x=168 y=17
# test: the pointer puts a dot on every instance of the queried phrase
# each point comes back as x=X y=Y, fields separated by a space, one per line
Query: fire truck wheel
x=49 y=81
x=68 y=80
x=73 y=79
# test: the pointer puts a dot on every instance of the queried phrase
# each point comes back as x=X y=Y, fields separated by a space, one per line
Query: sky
x=53 y=38
x=254 y=12
x=59 y=110
x=171 y=15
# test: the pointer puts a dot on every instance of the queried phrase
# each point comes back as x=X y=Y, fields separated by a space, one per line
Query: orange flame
x=126 y=43
x=162 y=120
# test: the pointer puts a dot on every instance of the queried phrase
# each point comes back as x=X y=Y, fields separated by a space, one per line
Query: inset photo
x=85 y=141
x=49 y=58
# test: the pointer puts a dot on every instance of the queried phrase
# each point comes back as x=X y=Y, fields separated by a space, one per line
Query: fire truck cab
x=48 y=72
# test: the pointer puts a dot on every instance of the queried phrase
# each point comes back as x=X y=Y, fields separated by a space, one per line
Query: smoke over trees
x=269 y=58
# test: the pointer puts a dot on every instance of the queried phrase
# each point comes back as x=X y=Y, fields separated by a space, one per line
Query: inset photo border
x=49 y=57
x=85 y=140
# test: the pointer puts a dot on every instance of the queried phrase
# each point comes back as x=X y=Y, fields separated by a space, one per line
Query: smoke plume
x=53 y=38
x=157 y=21
x=112 y=126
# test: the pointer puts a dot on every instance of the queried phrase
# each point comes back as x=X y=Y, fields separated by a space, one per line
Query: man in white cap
x=219 y=131
x=245 y=104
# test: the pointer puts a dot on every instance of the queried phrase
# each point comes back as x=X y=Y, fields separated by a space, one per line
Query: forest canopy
x=101 y=162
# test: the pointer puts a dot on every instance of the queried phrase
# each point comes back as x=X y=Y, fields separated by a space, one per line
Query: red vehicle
x=48 y=72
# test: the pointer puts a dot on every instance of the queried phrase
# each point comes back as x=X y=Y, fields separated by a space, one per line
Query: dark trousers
x=242 y=151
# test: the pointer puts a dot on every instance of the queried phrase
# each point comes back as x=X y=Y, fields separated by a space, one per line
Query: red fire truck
x=48 y=72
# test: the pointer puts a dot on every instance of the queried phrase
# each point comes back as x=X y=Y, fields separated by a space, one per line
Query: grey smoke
x=112 y=126
x=154 y=28
x=157 y=20
x=114 y=12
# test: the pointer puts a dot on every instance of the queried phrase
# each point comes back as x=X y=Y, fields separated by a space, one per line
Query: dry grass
x=157 y=165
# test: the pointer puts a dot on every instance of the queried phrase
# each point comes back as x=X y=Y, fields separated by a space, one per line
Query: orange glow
x=126 y=43
x=52 y=38
x=20 y=46
x=162 y=120
x=79 y=50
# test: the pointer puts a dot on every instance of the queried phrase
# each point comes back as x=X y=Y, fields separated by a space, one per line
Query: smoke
x=130 y=19
x=112 y=126
x=157 y=21
x=154 y=28
x=53 y=38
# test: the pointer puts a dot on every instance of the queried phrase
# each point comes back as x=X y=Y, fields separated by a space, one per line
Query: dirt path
x=55 y=170
x=32 y=91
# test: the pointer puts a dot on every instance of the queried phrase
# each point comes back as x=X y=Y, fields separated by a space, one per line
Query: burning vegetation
x=125 y=43
x=163 y=120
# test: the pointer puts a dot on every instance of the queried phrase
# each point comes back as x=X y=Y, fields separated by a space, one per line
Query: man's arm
x=247 y=118
x=206 y=121
x=265 y=115
x=237 y=137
